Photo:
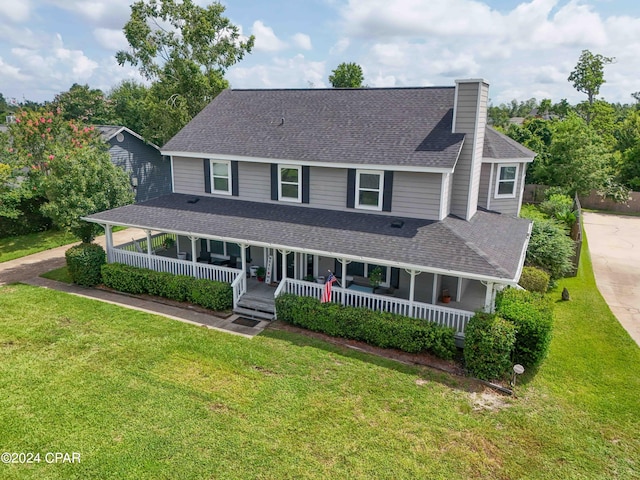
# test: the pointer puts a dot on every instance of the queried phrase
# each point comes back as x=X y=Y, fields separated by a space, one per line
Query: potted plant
x=168 y=242
x=446 y=298
x=309 y=278
x=260 y=273
x=375 y=278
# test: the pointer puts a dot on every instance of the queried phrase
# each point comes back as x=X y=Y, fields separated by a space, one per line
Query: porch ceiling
x=488 y=246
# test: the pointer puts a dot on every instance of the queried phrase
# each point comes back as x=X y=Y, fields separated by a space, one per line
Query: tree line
x=593 y=145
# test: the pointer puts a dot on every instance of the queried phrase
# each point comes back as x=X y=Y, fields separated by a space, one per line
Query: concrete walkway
x=27 y=270
x=614 y=243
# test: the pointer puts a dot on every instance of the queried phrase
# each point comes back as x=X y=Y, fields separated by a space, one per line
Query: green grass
x=59 y=274
x=17 y=247
x=140 y=396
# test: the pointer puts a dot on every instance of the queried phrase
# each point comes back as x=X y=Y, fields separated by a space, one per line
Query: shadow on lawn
x=399 y=361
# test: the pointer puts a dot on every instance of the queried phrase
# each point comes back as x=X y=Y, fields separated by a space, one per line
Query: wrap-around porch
x=417 y=294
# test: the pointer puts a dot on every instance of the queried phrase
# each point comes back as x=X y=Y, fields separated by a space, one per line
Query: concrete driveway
x=614 y=243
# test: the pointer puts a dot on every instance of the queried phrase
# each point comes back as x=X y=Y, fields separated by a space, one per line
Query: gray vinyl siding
x=254 y=182
x=144 y=162
x=483 y=191
x=507 y=206
x=416 y=195
x=467 y=171
x=188 y=176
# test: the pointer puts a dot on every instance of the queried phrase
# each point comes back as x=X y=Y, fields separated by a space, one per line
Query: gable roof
x=491 y=245
x=372 y=126
x=498 y=146
x=109 y=131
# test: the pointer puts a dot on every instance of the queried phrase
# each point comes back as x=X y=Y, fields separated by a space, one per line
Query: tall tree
x=84 y=104
x=347 y=75
x=184 y=49
x=68 y=164
x=128 y=99
x=588 y=74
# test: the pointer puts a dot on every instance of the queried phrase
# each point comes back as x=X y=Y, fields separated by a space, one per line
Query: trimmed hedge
x=534 y=279
x=532 y=315
x=84 y=262
x=380 y=329
x=206 y=293
x=488 y=343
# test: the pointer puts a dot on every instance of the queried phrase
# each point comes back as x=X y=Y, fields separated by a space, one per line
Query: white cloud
x=266 y=40
x=295 y=72
x=104 y=13
x=340 y=46
x=302 y=41
x=11 y=72
x=112 y=40
x=15 y=11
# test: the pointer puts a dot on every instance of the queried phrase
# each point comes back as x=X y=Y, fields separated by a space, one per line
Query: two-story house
x=409 y=182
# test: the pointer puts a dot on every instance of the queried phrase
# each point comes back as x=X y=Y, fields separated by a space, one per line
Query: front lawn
x=141 y=396
x=21 y=246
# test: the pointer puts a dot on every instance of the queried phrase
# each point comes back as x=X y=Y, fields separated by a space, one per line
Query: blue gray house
x=149 y=170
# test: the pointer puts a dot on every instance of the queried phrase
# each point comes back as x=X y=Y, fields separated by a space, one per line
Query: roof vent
x=193 y=200
x=397 y=224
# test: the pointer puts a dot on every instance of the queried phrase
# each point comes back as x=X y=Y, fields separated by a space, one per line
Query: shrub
x=84 y=262
x=206 y=293
x=534 y=280
x=380 y=329
x=550 y=248
x=532 y=315
x=560 y=207
x=488 y=343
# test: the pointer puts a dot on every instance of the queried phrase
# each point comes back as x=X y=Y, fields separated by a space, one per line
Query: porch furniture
x=253 y=270
x=360 y=288
x=204 y=257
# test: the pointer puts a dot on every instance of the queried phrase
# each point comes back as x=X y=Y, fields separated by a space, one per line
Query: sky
x=523 y=49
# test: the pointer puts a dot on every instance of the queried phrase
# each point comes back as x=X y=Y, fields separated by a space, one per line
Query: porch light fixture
x=517 y=370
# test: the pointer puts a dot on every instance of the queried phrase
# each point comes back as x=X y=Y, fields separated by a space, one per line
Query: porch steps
x=256 y=307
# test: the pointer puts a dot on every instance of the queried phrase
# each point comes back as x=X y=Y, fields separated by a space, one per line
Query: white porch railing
x=232 y=276
x=448 y=317
x=156 y=242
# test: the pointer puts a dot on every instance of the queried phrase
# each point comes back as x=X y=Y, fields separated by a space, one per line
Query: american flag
x=326 y=292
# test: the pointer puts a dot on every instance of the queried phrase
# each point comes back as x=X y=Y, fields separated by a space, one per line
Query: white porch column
x=488 y=298
x=193 y=249
x=108 y=233
x=344 y=280
x=434 y=292
x=459 y=290
x=243 y=257
x=149 y=250
x=284 y=264
x=412 y=289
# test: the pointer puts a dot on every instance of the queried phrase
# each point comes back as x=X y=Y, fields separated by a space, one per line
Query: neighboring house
x=149 y=170
x=410 y=181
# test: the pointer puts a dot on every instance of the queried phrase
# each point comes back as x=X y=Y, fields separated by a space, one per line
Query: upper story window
x=290 y=183
x=506 y=181
x=369 y=188
x=220 y=177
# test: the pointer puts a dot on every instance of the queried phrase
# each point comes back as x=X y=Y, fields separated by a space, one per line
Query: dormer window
x=506 y=181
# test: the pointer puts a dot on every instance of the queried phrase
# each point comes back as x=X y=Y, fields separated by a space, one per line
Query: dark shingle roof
x=108 y=131
x=497 y=145
x=386 y=126
x=489 y=245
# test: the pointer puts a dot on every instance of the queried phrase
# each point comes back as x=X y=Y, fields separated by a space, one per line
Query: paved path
x=614 y=243
x=27 y=270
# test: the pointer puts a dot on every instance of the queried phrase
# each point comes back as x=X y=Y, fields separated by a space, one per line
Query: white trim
x=323 y=253
x=455 y=110
x=380 y=175
x=212 y=177
x=507 y=160
x=490 y=188
x=523 y=254
x=515 y=181
x=131 y=132
x=443 y=201
x=312 y=163
x=282 y=198
x=173 y=173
